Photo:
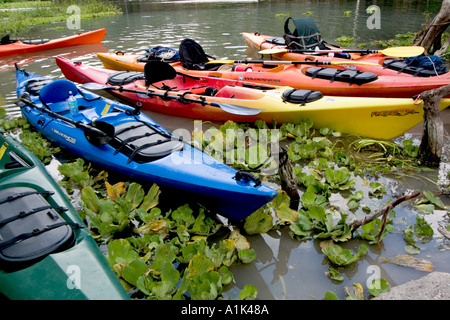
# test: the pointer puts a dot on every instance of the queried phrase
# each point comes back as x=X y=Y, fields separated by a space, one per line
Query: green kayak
x=46 y=252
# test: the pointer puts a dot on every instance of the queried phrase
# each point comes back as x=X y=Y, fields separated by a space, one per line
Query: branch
x=384 y=212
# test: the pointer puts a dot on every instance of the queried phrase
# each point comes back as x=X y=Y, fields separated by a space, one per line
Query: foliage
x=176 y=254
x=345 y=41
x=44 y=12
x=343 y=257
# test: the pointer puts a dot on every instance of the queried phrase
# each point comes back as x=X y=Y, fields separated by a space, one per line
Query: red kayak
x=23 y=47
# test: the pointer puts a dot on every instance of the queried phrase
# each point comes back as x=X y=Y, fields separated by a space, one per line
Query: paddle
x=399 y=52
x=94 y=135
x=229 y=108
x=293 y=62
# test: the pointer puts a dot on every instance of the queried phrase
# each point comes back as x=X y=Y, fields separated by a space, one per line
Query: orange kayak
x=329 y=81
x=23 y=47
x=387 y=65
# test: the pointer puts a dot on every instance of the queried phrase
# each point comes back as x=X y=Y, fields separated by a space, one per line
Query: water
x=285 y=268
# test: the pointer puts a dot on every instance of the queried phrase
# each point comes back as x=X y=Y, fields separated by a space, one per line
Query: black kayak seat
x=341 y=75
x=276 y=40
x=36 y=41
x=402 y=66
x=54 y=95
x=124 y=77
x=142 y=142
x=30 y=228
x=300 y=96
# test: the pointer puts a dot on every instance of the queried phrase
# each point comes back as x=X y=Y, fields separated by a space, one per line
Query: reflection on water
x=285 y=268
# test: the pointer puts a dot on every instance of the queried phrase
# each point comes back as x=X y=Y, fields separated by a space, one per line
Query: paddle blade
x=238 y=110
x=93 y=86
x=273 y=51
x=220 y=61
x=403 y=52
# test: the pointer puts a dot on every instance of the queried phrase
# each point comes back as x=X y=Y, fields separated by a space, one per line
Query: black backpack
x=192 y=55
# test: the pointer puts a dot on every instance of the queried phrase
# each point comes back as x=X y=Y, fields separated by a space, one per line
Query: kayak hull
x=258 y=41
x=295 y=76
x=381 y=118
x=18 y=48
x=188 y=170
x=78 y=273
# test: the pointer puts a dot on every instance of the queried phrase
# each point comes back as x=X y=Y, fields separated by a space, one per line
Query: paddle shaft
x=183 y=99
x=316 y=63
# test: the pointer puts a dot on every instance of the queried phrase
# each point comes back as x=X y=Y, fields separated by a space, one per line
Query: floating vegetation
x=185 y=253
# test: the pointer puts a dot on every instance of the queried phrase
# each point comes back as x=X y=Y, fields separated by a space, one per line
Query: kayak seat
x=36 y=41
x=402 y=66
x=30 y=228
x=124 y=77
x=276 y=40
x=299 y=96
x=342 y=75
x=55 y=94
x=142 y=142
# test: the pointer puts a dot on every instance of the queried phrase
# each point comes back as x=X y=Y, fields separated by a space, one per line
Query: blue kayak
x=122 y=139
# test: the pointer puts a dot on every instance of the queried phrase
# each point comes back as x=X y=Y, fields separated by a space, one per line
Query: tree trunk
x=433 y=127
x=431 y=35
x=288 y=179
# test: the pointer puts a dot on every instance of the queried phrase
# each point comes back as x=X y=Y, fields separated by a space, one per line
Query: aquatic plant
x=183 y=253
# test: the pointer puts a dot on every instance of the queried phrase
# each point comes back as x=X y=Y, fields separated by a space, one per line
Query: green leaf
x=434 y=200
x=329 y=295
x=151 y=199
x=249 y=292
x=134 y=270
x=258 y=222
x=135 y=194
x=121 y=251
x=378 y=286
x=317 y=213
x=247 y=255
x=335 y=275
x=169 y=278
x=343 y=257
x=90 y=199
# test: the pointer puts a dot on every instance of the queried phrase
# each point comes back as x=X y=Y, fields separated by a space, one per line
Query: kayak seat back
x=193 y=57
x=142 y=142
x=341 y=75
x=30 y=228
x=299 y=96
x=55 y=94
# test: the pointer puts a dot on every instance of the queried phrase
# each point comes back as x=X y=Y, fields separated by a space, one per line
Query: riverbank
x=21 y=16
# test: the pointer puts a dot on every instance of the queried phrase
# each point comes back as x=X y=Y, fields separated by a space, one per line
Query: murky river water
x=285 y=268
